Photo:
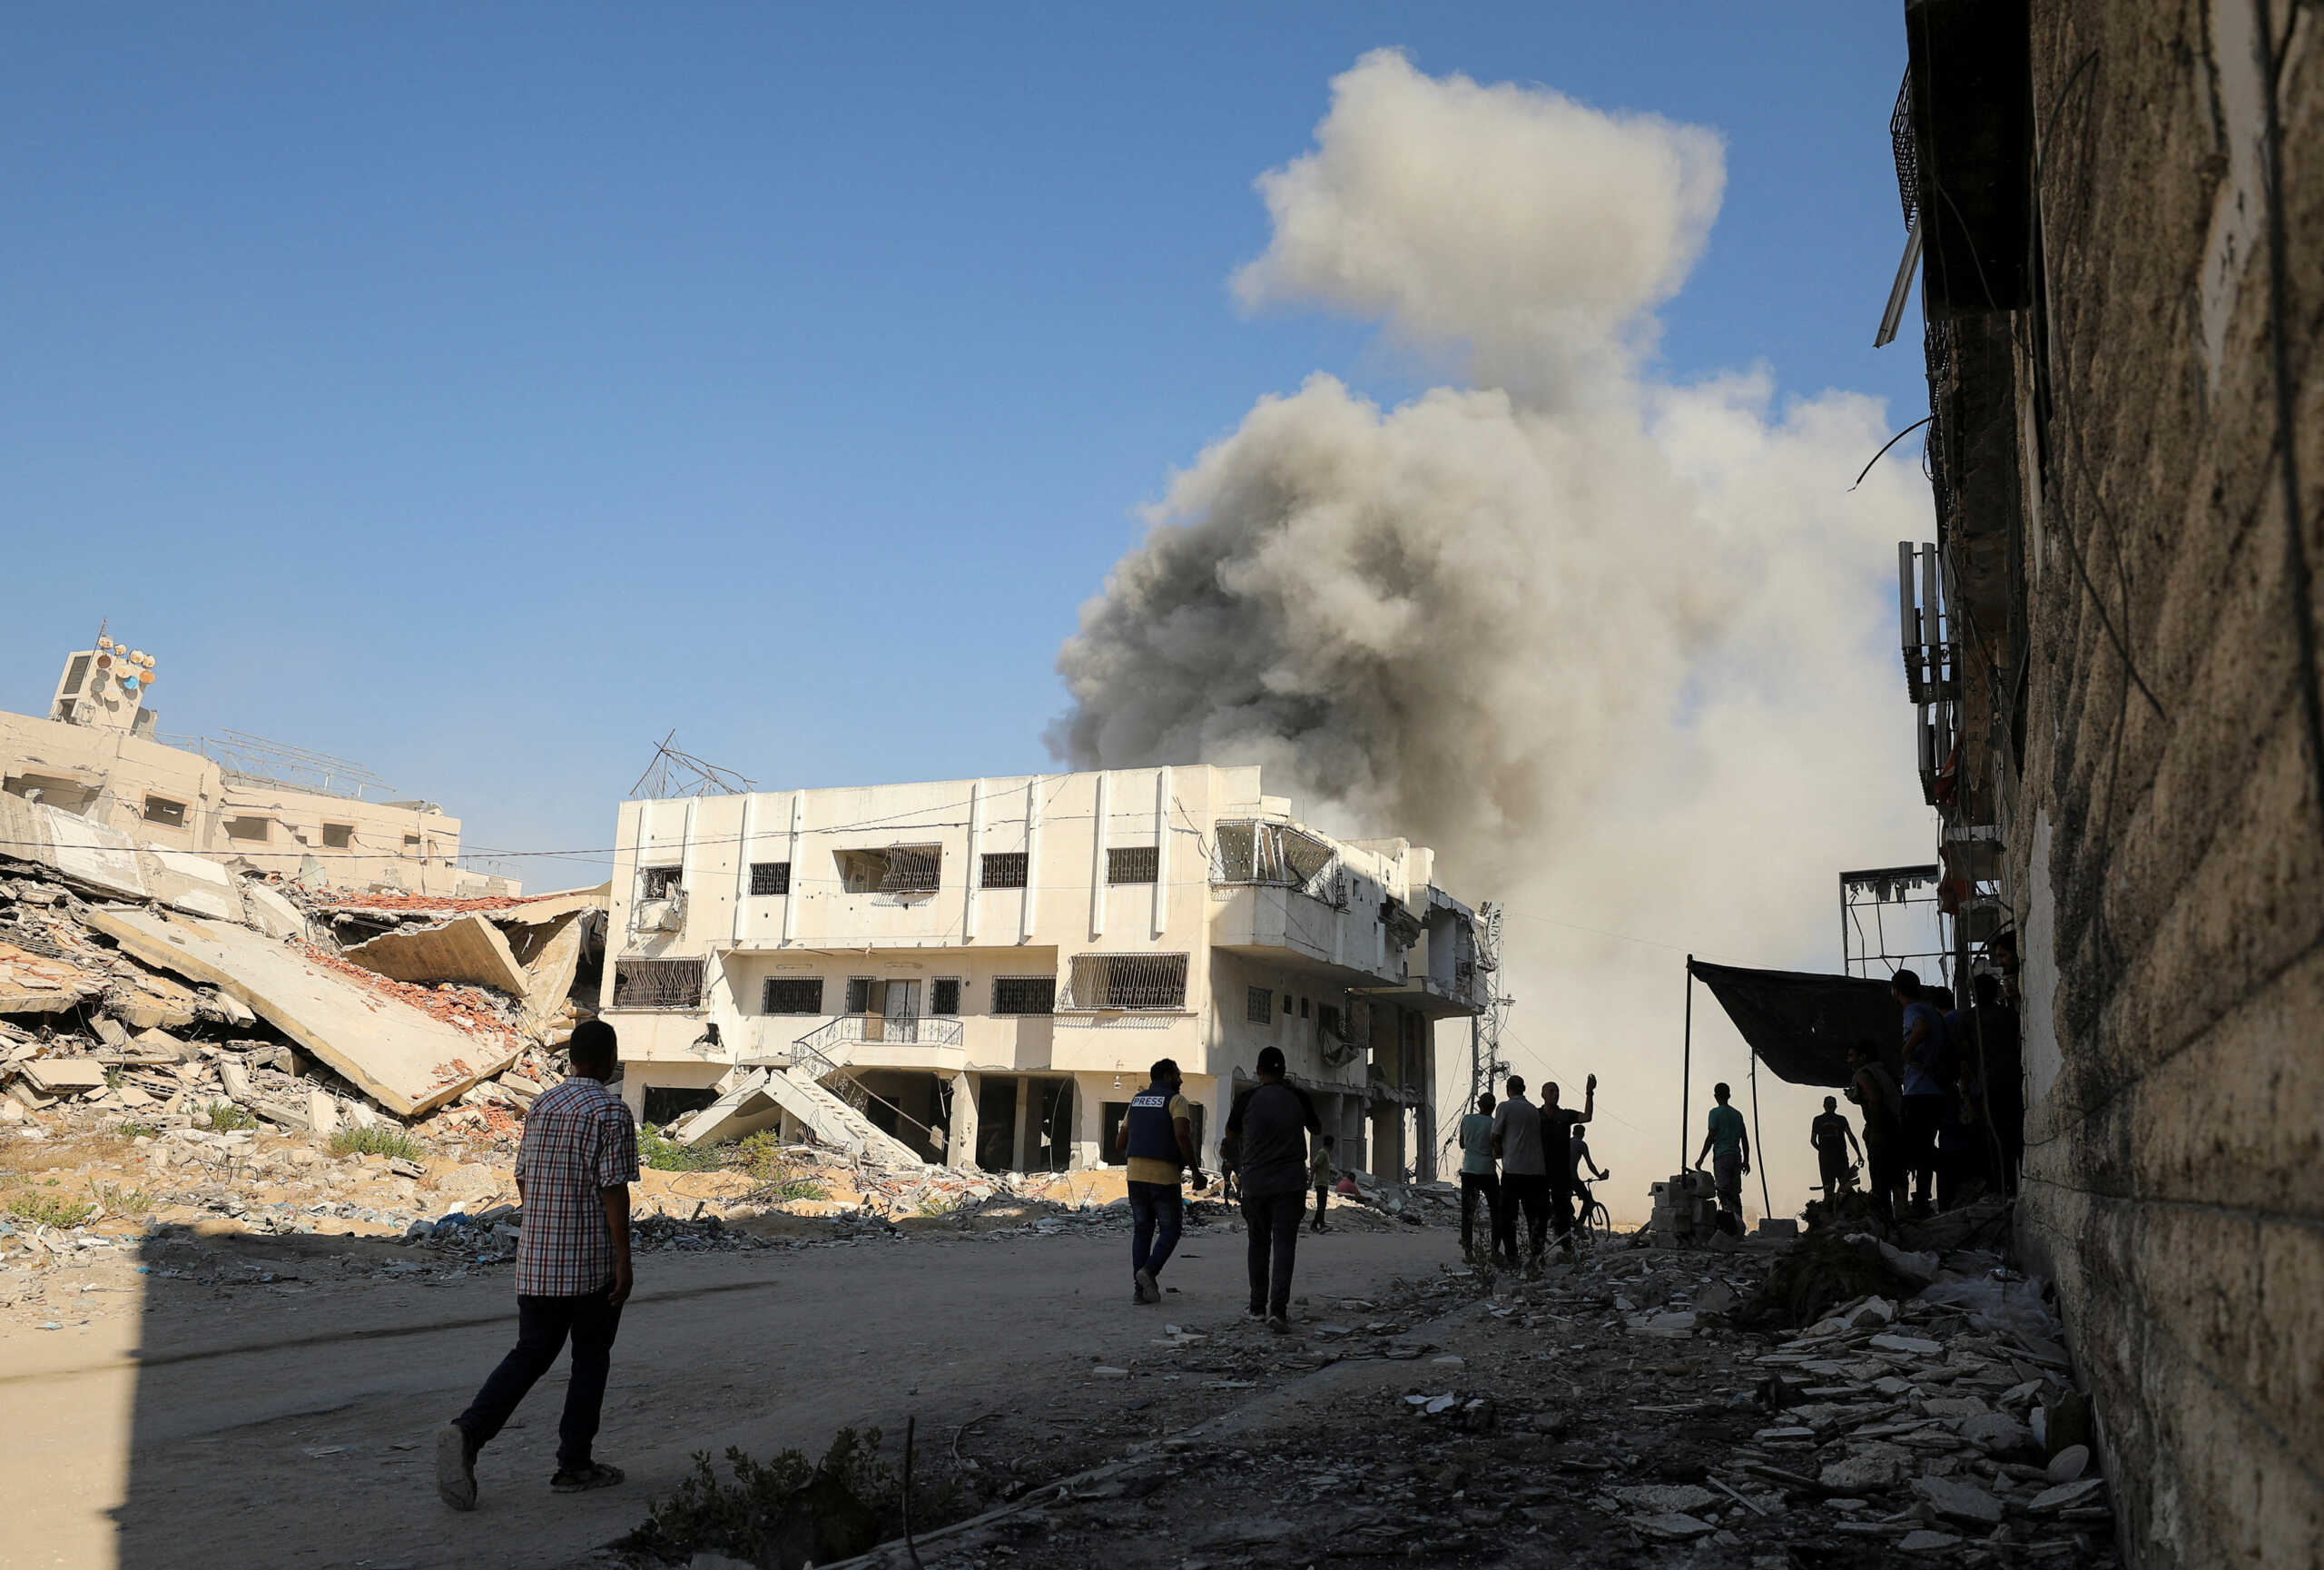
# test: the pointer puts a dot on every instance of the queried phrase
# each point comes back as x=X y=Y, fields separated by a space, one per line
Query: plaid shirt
x=579 y=1140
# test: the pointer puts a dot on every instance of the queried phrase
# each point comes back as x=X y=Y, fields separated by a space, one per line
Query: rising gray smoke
x=1614 y=647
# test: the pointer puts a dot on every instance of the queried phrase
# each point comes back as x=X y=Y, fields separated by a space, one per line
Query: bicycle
x=1593 y=1223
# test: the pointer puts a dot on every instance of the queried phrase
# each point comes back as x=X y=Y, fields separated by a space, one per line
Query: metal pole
x=1766 y=1206
x=1686 y=1062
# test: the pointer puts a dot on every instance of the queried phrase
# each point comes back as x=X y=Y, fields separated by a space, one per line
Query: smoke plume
x=1616 y=646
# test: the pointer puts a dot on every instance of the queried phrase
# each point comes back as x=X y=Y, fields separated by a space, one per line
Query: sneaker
x=454 y=1467
x=581 y=1479
x=1279 y=1324
x=1148 y=1290
x=1257 y=1310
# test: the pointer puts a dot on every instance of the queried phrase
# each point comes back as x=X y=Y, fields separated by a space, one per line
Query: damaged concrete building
x=98 y=758
x=979 y=971
x=2119 y=212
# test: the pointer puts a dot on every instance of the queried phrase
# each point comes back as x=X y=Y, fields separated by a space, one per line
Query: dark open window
x=793 y=995
x=1024 y=994
x=162 y=810
x=256 y=830
x=770 y=877
x=896 y=870
x=944 y=996
x=337 y=837
x=661 y=883
x=1258 y=1005
x=1133 y=864
x=1004 y=869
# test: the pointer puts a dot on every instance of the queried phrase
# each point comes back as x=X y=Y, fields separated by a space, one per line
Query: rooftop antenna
x=677 y=773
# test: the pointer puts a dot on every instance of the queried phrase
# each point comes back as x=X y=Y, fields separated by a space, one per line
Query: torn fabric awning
x=1801 y=1024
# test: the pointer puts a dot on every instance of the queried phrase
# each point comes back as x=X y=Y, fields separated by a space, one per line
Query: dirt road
x=286 y=1423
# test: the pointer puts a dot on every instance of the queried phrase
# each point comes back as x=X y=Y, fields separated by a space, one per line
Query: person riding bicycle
x=1578 y=1150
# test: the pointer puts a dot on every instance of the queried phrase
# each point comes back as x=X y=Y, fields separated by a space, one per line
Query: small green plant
x=135 y=1130
x=47 y=1210
x=847 y=1503
x=761 y=1156
x=380 y=1139
x=121 y=1202
x=114 y=1079
x=657 y=1150
x=935 y=1205
x=225 y=1116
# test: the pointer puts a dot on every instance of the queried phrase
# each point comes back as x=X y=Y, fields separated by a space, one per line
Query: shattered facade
x=983 y=969
x=2121 y=217
x=96 y=757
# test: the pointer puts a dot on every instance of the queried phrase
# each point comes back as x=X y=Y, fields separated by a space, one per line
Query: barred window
x=770 y=877
x=1133 y=864
x=661 y=883
x=793 y=995
x=944 y=996
x=1107 y=982
x=897 y=870
x=657 y=984
x=858 y=994
x=1004 y=869
x=1264 y=852
x=1024 y=994
x=1258 y=1005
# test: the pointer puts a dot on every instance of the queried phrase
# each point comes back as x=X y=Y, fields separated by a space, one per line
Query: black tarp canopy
x=1800 y=1024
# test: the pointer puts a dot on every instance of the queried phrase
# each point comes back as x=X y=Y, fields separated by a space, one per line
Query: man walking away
x=1832 y=1138
x=1924 y=1111
x=1320 y=1174
x=1157 y=1135
x=1873 y=1087
x=1559 y=1126
x=573 y=1274
x=1729 y=1149
x=1230 y=1160
x=1478 y=1182
x=1992 y=1028
x=1524 y=1169
x=1272 y=1120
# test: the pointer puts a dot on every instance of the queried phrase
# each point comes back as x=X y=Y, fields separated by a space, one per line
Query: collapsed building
x=96 y=757
x=979 y=971
x=2117 y=219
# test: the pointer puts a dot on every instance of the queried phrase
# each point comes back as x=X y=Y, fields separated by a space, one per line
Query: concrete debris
x=103 y=862
x=465 y=949
x=407 y=1058
x=63 y=1076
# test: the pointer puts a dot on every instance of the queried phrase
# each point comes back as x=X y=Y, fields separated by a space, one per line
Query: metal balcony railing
x=814 y=1049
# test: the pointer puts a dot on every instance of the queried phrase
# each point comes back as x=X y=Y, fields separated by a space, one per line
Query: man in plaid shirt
x=572 y=1177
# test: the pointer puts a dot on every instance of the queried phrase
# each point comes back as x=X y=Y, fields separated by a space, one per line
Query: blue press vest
x=1152 y=1136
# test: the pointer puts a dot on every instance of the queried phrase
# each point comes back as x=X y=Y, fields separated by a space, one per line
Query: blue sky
x=483 y=393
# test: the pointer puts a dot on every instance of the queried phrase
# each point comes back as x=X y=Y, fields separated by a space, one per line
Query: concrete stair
x=754 y=1098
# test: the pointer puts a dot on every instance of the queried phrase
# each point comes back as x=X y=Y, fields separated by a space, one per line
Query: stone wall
x=2166 y=840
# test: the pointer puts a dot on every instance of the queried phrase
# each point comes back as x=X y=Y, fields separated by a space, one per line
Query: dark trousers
x=2009 y=1142
x=1561 y=1204
x=542 y=1325
x=1528 y=1193
x=1157 y=1215
x=1884 y=1155
x=1833 y=1167
x=1322 y=1202
x=1924 y=1115
x=1273 y=1222
x=1476 y=1186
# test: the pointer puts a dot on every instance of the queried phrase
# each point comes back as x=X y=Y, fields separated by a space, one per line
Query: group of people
x=1956 y=1123
x=1519 y=1157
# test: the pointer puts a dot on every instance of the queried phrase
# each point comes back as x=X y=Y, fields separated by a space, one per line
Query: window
x=1133 y=864
x=1005 y=870
x=337 y=837
x=1303 y=1008
x=1108 y=981
x=770 y=877
x=859 y=995
x=657 y=984
x=74 y=675
x=412 y=842
x=1024 y=994
x=897 y=870
x=256 y=831
x=1273 y=853
x=1286 y=1003
x=793 y=995
x=944 y=996
x=661 y=883
x=165 y=812
x=1258 y=1005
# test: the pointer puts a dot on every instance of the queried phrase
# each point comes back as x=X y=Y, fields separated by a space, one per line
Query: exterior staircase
x=753 y=1095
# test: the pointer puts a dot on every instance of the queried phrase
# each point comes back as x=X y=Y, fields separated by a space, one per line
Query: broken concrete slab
x=105 y=862
x=63 y=1076
x=2002 y=1436
x=1668 y=1498
x=2066 y=1495
x=34 y=983
x=551 y=954
x=465 y=949
x=272 y=914
x=1957 y=1501
x=1670 y=1527
x=405 y=1059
